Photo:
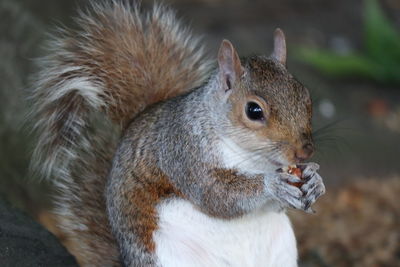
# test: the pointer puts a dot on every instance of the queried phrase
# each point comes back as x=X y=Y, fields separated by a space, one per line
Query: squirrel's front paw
x=281 y=187
x=313 y=186
x=285 y=188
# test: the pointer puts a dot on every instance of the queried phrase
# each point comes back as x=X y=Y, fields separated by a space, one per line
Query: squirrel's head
x=269 y=111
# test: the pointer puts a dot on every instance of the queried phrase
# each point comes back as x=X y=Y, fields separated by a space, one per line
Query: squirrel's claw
x=299 y=198
x=313 y=188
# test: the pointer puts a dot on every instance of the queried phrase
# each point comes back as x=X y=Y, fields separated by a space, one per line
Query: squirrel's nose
x=305 y=152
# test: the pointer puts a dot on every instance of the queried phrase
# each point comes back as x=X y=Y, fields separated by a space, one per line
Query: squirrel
x=160 y=158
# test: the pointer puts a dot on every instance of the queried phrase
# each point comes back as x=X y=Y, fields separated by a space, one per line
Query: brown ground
x=355 y=225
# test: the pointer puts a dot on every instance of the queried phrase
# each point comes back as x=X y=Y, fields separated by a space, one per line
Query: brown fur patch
x=139 y=202
x=128 y=55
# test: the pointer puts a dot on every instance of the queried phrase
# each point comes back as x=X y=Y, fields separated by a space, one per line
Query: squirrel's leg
x=131 y=206
x=228 y=193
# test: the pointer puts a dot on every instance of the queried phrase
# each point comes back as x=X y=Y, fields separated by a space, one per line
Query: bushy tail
x=118 y=62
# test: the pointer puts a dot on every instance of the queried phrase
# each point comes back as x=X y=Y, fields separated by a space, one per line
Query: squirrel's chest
x=187 y=237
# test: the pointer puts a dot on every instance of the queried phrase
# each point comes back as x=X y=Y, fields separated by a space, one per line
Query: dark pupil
x=254 y=111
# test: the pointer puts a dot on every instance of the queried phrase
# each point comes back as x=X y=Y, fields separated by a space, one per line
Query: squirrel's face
x=273 y=110
x=269 y=110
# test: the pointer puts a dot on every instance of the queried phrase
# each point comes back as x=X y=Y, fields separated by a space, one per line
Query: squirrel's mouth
x=277 y=163
x=280 y=163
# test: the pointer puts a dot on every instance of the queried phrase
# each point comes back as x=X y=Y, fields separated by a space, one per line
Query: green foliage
x=380 y=60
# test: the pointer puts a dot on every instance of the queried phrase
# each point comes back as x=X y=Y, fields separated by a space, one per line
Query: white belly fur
x=187 y=237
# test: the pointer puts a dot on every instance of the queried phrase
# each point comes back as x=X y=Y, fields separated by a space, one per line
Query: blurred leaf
x=380 y=61
x=338 y=65
x=381 y=39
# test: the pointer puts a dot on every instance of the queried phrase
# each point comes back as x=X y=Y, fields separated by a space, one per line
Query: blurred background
x=347 y=52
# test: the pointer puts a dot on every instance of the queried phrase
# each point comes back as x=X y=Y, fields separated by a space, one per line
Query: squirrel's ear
x=230 y=68
x=279 y=53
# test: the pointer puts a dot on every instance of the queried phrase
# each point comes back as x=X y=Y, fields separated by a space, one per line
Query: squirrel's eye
x=254 y=112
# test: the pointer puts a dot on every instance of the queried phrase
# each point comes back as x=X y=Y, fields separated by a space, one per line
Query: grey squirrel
x=161 y=160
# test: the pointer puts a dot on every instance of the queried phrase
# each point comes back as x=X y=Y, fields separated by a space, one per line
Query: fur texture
x=94 y=80
x=119 y=61
x=136 y=72
x=185 y=155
